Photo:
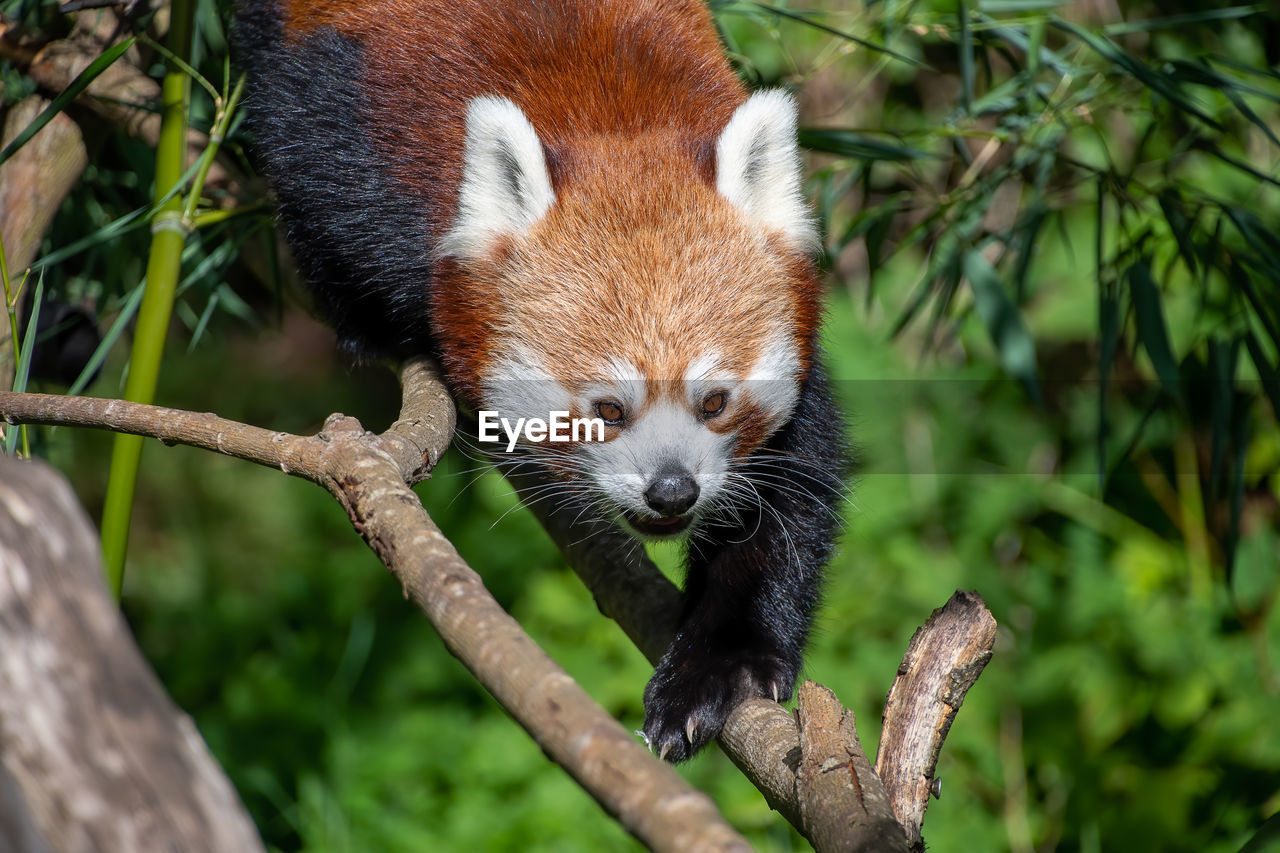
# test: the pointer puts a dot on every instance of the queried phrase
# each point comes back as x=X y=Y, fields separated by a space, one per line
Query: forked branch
x=369 y=474
x=790 y=762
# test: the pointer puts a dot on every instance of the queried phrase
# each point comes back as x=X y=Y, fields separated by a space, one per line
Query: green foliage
x=1055 y=321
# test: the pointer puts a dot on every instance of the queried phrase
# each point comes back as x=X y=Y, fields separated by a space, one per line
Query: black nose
x=672 y=492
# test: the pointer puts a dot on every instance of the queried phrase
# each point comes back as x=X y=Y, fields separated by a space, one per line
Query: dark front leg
x=752 y=584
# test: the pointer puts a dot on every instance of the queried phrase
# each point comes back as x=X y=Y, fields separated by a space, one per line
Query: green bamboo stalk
x=168 y=234
x=11 y=306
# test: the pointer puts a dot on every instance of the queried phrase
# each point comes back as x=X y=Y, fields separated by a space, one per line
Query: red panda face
x=678 y=313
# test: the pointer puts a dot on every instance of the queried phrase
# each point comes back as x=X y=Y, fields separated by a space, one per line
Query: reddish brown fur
x=639 y=257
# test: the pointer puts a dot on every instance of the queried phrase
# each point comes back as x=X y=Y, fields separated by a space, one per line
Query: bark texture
x=943 y=660
x=94 y=756
x=33 y=183
x=813 y=771
x=369 y=474
x=840 y=796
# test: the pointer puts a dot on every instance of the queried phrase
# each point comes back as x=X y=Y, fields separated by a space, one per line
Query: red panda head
x=659 y=285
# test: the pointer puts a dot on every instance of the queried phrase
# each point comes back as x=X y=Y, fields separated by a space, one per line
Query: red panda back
x=575 y=67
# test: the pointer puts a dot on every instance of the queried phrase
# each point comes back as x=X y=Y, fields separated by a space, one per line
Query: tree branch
x=369 y=475
x=840 y=796
x=943 y=660
x=93 y=753
x=123 y=94
x=945 y=657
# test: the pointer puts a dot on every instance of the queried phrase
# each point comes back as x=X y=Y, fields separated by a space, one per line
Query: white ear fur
x=758 y=167
x=505 y=187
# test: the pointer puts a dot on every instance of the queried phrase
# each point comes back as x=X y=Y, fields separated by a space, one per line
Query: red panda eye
x=714 y=404
x=610 y=412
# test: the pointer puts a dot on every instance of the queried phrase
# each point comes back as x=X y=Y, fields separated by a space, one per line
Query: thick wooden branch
x=369 y=475
x=93 y=754
x=841 y=798
x=945 y=657
x=123 y=94
x=760 y=737
x=763 y=739
x=33 y=183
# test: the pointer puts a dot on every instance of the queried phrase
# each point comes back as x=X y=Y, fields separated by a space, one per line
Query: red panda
x=575 y=206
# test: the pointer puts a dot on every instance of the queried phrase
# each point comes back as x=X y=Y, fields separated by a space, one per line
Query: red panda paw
x=688 y=701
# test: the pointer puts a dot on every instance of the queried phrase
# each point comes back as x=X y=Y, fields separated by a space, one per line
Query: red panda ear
x=758 y=168
x=505 y=187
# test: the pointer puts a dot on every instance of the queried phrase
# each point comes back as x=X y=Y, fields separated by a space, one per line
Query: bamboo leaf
x=1236 y=481
x=1027 y=230
x=1017 y=37
x=1109 y=334
x=116 y=228
x=1223 y=358
x=818 y=25
x=1172 y=21
x=1246 y=68
x=1153 y=334
x=997 y=7
x=877 y=231
x=1206 y=76
x=1240 y=280
x=1258 y=236
x=1002 y=98
x=966 y=59
x=1003 y=320
x=1239 y=164
x=1270 y=375
x=850 y=144
x=22 y=370
x=66 y=96
x=203 y=323
x=1153 y=80
x=109 y=339
x=1180 y=225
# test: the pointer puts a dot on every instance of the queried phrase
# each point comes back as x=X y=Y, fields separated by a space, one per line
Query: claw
x=644 y=737
x=773 y=686
x=662 y=753
x=690 y=728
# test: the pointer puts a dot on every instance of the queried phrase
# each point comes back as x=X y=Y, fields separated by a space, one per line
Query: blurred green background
x=1054 y=301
